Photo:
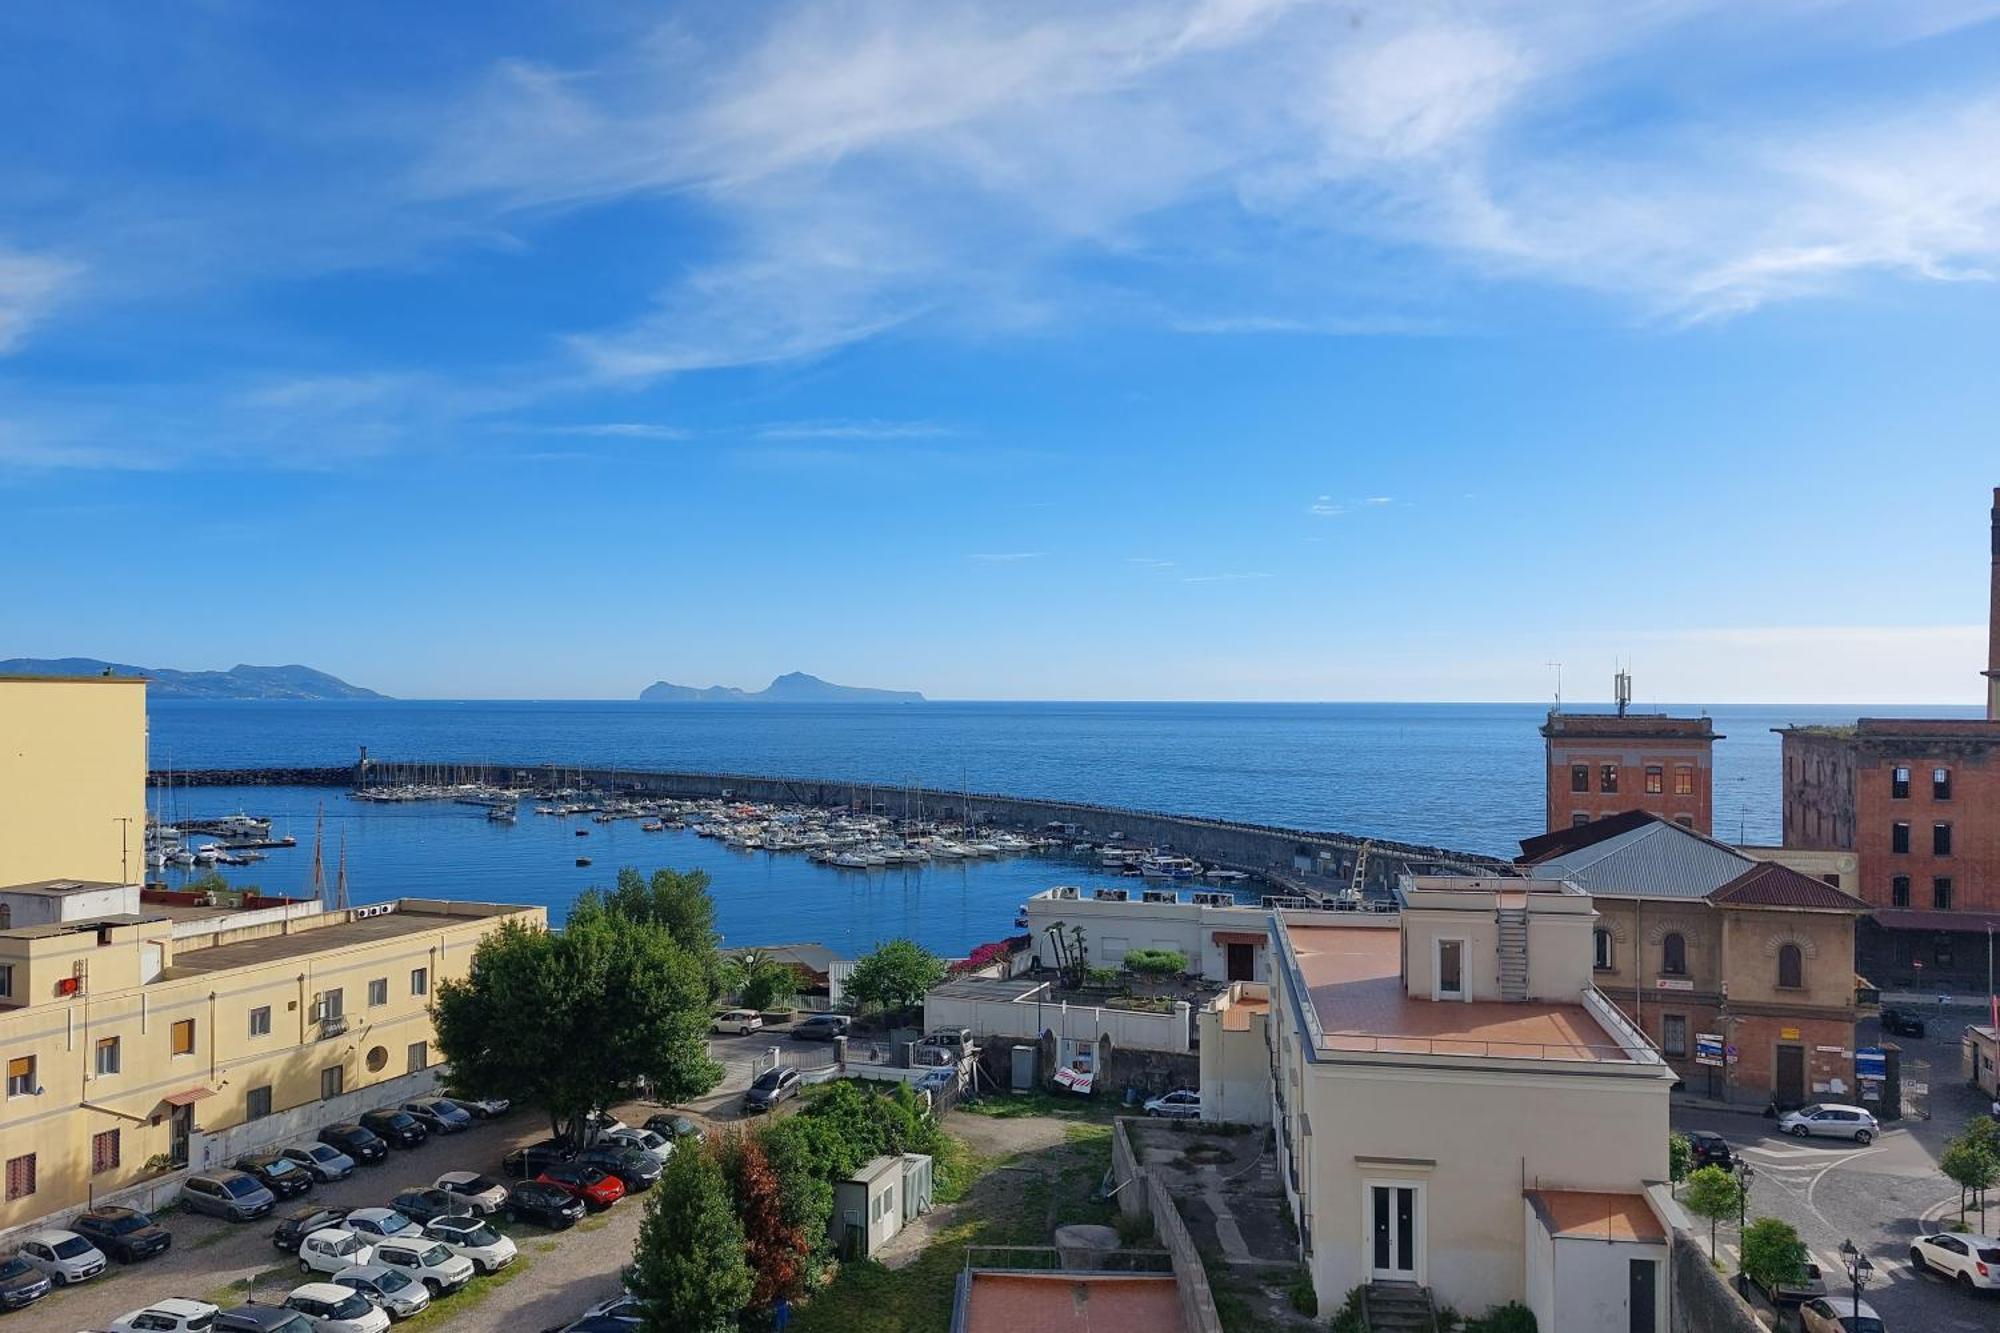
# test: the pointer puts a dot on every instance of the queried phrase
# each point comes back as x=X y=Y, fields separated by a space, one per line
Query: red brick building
x=1918 y=802
x=1603 y=764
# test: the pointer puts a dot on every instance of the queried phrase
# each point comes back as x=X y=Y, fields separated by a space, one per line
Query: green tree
x=773 y=1246
x=800 y=1152
x=1773 y=1255
x=895 y=976
x=1714 y=1194
x=1680 y=1157
x=577 y=1020
x=1970 y=1163
x=676 y=900
x=688 y=1265
x=760 y=980
x=1156 y=964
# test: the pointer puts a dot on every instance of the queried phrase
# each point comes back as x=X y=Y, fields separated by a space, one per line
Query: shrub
x=1347 y=1319
x=1513 y=1317
x=1302 y=1296
x=1156 y=964
x=1133 y=1230
x=1773 y=1254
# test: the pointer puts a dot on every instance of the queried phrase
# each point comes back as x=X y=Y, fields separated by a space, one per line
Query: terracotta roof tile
x=1768 y=884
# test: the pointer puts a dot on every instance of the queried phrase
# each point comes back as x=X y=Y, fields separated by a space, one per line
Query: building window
x=183 y=1037
x=1899 y=891
x=1899 y=785
x=1607 y=778
x=333 y=1003
x=260 y=1021
x=1578 y=820
x=7 y=982
x=1674 y=1034
x=1602 y=957
x=1791 y=967
x=1684 y=780
x=1579 y=777
x=1674 y=954
x=257 y=1103
x=20 y=1177
x=332 y=1082
x=1941 y=952
x=378 y=992
x=420 y=981
x=104 y=1152
x=21 y=1077
x=1899 y=838
x=1940 y=784
x=1685 y=821
x=1940 y=840
x=1656 y=780
x=1941 y=893
x=420 y=1056
x=107 y=1055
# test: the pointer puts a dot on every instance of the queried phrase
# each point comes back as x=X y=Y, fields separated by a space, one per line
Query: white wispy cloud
x=852 y=430
x=30 y=286
x=1326 y=506
x=1149 y=562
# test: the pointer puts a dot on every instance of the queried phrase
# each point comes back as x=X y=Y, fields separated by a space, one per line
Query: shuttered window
x=20 y=1176
x=21 y=1076
x=184 y=1037
x=104 y=1151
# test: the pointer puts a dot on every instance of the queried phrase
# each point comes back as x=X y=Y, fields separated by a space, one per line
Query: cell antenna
x=1558 y=666
x=1621 y=689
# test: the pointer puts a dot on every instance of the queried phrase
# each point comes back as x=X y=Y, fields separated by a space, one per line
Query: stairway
x=1398 y=1307
x=1513 y=952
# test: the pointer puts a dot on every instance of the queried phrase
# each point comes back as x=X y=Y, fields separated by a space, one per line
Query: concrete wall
x=72 y=767
x=1236 y=1056
x=1701 y=1299
x=1127 y=1029
x=223 y=1146
x=1592 y=1284
x=1838 y=868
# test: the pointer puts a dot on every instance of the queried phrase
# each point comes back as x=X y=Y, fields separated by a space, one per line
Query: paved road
x=1880 y=1196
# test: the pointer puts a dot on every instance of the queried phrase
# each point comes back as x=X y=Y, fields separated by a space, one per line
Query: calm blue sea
x=1457 y=775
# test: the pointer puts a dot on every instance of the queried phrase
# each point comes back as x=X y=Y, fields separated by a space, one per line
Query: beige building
x=1455 y=1102
x=139 y=1030
x=72 y=778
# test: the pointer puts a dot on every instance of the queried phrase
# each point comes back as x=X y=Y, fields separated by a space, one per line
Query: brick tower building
x=1918 y=802
x=1601 y=764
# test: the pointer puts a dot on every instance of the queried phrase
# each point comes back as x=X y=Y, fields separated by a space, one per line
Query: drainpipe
x=211 y=1037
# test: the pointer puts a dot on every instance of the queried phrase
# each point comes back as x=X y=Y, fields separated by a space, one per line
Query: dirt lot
x=557 y=1276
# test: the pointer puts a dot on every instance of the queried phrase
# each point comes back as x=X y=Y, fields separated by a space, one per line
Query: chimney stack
x=1993 y=623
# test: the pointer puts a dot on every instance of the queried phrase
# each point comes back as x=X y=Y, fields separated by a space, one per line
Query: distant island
x=239 y=682
x=794 y=687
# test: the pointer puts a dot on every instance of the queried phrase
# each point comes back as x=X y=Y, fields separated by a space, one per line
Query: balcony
x=332 y=1025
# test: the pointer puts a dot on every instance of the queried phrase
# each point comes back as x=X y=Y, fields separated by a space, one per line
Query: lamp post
x=1744 y=1175
x=1859 y=1270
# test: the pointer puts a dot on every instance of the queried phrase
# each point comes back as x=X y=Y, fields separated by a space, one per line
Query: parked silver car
x=1830 y=1120
x=65 y=1256
x=236 y=1195
x=391 y=1289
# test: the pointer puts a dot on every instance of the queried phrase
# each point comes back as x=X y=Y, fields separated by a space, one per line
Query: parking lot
x=557 y=1276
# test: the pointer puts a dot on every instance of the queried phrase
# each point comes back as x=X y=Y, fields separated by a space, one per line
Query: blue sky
x=1205 y=349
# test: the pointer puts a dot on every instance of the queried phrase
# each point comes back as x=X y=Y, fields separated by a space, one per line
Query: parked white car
x=65 y=1256
x=738 y=1021
x=332 y=1249
x=1830 y=1120
x=373 y=1224
x=333 y=1308
x=427 y=1261
x=391 y=1288
x=480 y=1194
x=1839 y=1314
x=1973 y=1261
x=645 y=1140
x=472 y=1238
x=169 y=1316
x=1180 y=1104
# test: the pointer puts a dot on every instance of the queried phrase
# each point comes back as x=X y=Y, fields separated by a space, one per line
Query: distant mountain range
x=239 y=682
x=794 y=687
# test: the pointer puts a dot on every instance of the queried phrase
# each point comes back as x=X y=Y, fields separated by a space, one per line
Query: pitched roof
x=1558 y=841
x=1652 y=859
x=1768 y=884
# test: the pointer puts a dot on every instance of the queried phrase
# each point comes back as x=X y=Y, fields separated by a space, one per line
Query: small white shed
x=868 y=1207
x=917 y=1187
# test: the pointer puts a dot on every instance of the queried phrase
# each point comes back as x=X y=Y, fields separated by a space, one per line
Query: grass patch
x=545 y=1246
x=215 y=1237
x=466 y=1298
x=596 y=1223
x=1046 y=1105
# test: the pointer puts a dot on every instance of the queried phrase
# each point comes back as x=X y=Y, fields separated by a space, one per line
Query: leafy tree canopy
x=895 y=976
x=573 y=1021
x=689 y=1266
x=676 y=900
x=1714 y=1194
x=1773 y=1254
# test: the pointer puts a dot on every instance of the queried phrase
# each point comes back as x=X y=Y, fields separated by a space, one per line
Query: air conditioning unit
x=1214 y=899
x=1064 y=891
x=1112 y=896
x=1159 y=896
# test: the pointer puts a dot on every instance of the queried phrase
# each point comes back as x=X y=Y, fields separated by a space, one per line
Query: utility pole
x=125 y=856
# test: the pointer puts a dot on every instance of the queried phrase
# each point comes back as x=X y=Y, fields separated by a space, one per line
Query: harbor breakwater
x=1307 y=861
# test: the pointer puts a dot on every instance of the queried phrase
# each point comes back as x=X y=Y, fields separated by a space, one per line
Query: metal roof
x=1655 y=860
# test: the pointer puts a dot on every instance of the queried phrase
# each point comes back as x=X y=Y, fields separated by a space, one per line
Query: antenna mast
x=1621 y=689
x=340 y=903
x=1559 y=684
x=319 y=855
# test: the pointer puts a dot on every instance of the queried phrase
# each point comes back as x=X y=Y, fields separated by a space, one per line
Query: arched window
x=1674 y=954
x=1791 y=967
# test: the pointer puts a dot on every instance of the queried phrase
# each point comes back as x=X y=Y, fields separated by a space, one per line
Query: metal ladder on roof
x=1357 y=888
x=1513 y=922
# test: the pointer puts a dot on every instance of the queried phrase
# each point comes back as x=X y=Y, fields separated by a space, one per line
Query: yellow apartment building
x=72 y=778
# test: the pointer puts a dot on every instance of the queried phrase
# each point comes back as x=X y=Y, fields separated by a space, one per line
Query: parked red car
x=598 y=1189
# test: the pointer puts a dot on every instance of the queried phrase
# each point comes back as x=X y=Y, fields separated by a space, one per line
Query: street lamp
x=1859 y=1270
x=1744 y=1175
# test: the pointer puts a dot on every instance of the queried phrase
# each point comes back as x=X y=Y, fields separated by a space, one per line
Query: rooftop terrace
x=1072 y=1303
x=407 y=919
x=1353 y=976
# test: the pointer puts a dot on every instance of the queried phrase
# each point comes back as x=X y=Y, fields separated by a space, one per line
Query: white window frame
x=1464 y=991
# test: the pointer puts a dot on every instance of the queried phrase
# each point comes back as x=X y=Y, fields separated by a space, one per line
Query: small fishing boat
x=583 y=860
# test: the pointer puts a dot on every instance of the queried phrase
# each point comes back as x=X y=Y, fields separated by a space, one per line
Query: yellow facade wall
x=230 y=1058
x=72 y=779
